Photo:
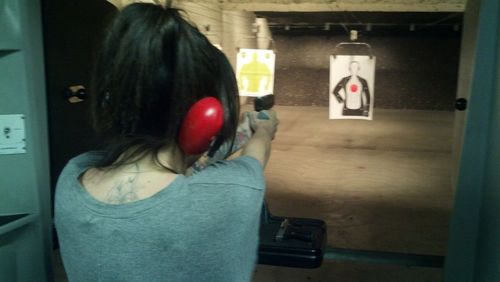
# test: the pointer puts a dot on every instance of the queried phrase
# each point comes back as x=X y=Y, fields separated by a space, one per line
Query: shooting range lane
x=382 y=185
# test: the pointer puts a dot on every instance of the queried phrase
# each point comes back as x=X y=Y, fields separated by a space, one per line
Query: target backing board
x=352 y=80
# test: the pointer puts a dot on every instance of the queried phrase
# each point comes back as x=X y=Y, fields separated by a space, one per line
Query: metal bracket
x=368 y=46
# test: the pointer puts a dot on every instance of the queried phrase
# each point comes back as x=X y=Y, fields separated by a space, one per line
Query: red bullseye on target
x=354 y=88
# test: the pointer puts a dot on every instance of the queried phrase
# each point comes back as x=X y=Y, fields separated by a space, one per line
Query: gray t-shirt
x=199 y=228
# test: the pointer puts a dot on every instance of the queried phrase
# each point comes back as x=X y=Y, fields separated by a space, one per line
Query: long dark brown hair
x=152 y=66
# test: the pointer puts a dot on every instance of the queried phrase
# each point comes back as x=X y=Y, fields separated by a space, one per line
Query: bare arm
x=259 y=147
x=256 y=145
x=264 y=124
x=243 y=134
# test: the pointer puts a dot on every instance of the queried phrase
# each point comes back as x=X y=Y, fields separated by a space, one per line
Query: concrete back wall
x=411 y=72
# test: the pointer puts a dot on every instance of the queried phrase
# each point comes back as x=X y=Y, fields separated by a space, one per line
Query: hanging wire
x=353 y=15
x=334 y=6
x=221 y=11
x=434 y=23
x=214 y=18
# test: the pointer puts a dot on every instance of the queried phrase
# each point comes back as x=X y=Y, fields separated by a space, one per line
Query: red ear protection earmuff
x=202 y=124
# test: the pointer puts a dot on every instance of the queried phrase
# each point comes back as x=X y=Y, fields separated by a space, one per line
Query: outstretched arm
x=264 y=124
x=243 y=134
x=256 y=145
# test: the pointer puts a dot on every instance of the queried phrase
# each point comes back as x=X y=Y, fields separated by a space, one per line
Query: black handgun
x=263 y=103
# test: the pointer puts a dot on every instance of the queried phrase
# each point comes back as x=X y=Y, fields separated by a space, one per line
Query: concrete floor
x=380 y=185
x=329 y=271
x=383 y=185
x=347 y=272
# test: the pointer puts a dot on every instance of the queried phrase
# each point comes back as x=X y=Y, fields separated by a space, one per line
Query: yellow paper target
x=255 y=72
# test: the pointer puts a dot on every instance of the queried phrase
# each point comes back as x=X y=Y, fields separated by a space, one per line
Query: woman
x=130 y=212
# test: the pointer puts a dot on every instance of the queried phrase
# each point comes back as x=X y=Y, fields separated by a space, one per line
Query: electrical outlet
x=12 y=135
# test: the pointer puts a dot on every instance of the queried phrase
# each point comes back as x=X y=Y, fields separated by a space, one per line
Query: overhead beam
x=345 y=5
x=324 y=5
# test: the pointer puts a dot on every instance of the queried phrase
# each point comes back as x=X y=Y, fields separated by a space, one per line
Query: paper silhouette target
x=351 y=87
x=255 y=72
